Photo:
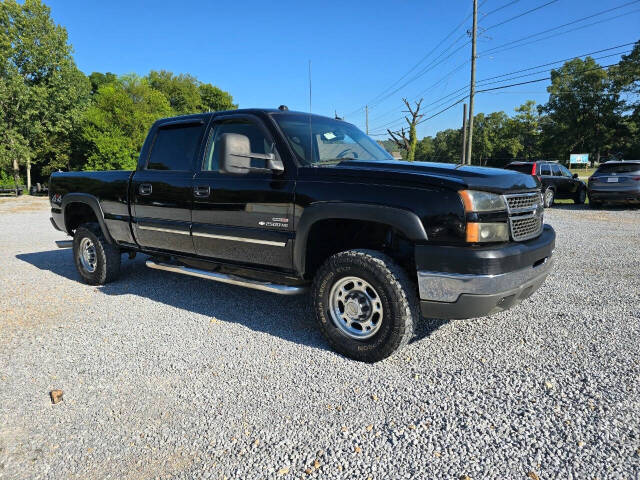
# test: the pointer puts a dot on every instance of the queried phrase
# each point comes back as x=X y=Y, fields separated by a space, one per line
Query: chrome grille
x=525 y=200
x=525 y=215
x=525 y=227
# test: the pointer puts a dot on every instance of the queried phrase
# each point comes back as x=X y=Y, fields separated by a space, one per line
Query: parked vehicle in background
x=615 y=182
x=557 y=181
x=281 y=201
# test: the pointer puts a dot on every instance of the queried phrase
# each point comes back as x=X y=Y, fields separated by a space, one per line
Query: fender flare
x=92 y=202
x=402 y=220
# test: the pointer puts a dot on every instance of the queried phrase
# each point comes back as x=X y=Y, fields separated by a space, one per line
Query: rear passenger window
x=556 y=170
x=175 y=147
x=545 y=170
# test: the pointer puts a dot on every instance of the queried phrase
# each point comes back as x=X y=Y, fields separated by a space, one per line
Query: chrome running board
x=231 y=279
x=64 y=243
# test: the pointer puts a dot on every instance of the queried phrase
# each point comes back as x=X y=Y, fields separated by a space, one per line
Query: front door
x=162 y=190
x=244 y=219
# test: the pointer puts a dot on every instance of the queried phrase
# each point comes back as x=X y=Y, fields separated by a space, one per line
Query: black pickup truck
x=282 y=201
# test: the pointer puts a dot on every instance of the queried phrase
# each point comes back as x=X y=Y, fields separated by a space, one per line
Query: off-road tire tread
x=109 y=256
x=386 y=271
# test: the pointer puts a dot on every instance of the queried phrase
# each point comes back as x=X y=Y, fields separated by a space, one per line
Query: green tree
x=187 y=95
x=493 y=141
x=116 y=123
x=98 y=79
x=447 y=146
x=626 y=80
x=42 y=93
x=583 y=110
x=527 y=129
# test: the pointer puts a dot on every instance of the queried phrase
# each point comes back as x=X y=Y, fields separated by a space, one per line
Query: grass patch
x=583 y=173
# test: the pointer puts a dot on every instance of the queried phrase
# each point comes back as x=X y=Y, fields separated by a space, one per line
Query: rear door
x=245 y=219
x=161 y=189
x=546 y=177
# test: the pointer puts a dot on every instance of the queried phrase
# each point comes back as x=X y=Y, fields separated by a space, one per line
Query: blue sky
x=259 y=51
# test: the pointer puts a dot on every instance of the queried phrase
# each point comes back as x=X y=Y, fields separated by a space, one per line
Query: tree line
x=591 y=109
x=53 y=116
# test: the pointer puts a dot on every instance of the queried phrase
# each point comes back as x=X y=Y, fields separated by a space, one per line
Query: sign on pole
x=582 y=158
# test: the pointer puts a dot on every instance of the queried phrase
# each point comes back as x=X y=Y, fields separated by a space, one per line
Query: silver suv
x=615 y=182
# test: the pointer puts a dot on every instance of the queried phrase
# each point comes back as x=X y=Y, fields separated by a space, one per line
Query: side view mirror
x=235 y=156
x=575 y=175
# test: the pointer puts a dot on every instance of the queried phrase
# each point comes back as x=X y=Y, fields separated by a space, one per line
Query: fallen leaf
x=316 y=464
x=283 y=471
x=357 y=449
x=369 y=428
x=549 y=385
x=436 y=454
x=56 y=396
x=344 y=429
x=256 y=442
x=465 y=477
x=581 y=444
x=308 y=471
x=412 y=427
x=374 y=397
x=533 y=476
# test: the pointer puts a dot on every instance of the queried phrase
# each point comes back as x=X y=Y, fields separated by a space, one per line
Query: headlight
x=487 y=232
x=476 y=201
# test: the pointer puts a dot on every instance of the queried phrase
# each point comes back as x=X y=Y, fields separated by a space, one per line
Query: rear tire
x=580 y=197
x=350 y=290
x=97 y=261
x=549 y=197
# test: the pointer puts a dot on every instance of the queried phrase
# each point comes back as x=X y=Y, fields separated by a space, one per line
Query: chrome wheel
x=548 y=197
x=355 y=307
x=87 y=254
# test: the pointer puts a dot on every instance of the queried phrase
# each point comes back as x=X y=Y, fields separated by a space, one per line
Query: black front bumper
x=467 y=282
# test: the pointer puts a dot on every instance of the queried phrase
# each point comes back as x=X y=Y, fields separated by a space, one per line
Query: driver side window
x=259 y=142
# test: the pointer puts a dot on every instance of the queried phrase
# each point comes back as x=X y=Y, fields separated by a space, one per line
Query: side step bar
x=225 y=278
x=64 y=243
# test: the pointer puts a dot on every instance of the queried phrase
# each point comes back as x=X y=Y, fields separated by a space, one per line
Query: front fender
x=402 y=220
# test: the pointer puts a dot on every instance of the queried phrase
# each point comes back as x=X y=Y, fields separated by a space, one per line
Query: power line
x=494 y=49
x=485 y=81
x=520 y=15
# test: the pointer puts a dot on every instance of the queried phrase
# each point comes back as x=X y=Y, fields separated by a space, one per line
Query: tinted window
x=556 y=170
x=545 y=169
x=618 y=168
x=565 y=172
x=522 y=168
x=175 y=147
x=257 y=138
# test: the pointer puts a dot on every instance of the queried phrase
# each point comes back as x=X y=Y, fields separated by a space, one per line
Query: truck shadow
x=289 y=317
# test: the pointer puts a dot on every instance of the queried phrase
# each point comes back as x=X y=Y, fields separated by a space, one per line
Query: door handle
x=145 y=189
x=202 y=191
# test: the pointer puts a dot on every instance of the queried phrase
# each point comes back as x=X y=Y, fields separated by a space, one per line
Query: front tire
x=97 y=261
x=365 y=304
x=581 y=196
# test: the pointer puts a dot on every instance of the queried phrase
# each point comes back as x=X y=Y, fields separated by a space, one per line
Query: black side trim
x=490 y=260
x=95 y=206
x=405 y=221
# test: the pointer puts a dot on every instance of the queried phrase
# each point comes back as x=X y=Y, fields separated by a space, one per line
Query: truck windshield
x=322 y=141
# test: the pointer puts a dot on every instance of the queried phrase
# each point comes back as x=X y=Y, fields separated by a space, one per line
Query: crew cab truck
x=285 y=202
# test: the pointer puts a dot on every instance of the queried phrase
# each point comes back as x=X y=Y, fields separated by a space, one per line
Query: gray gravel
x=167 y=376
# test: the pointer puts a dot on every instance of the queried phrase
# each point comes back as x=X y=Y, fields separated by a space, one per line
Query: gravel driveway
x=170 y=376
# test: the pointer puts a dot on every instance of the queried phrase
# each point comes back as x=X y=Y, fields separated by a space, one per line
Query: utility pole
x=464 y=134
x=472 y=89
x=366 y=112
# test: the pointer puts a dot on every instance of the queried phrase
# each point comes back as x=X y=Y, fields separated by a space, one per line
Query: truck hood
x=447 y=175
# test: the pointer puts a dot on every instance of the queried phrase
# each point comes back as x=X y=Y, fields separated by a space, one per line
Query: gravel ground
x=169 y=376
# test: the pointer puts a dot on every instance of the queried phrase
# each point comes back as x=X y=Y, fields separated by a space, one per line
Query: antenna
x=309 y=85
